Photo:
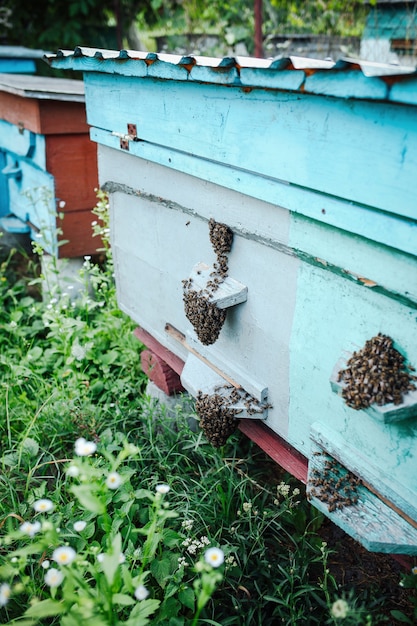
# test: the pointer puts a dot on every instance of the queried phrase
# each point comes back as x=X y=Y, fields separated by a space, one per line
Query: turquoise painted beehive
x=48 y=165
x=264 y=228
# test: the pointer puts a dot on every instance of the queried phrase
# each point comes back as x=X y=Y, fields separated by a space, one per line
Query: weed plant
x=112 y=511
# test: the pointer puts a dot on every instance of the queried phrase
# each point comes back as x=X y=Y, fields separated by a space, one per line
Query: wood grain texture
x=72 y=161
x=43 y=116
x=314 y=142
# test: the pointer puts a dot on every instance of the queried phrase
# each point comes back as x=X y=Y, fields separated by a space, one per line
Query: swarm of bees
x=207 y=319
x=377 y=374
x=334 y=485
x=217 y=417
x=218 y=412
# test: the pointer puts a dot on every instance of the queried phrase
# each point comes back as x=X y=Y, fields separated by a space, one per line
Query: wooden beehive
x=19 y=60
x=49 y=164
x=311 y=165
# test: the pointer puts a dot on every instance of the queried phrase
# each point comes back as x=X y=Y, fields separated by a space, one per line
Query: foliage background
x=53 y=24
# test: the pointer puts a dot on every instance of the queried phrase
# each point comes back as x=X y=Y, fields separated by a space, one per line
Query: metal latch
x=125 y=138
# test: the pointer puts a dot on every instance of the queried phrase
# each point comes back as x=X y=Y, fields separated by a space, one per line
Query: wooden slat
x=277 y=448
x=77 y=230
x=310 y=137
x=43 y=116
x=155 y=346
x=72 y=160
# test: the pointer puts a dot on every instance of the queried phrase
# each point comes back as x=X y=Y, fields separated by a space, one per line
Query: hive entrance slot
x=229 y=292
x=342 y=488
x=199 y=379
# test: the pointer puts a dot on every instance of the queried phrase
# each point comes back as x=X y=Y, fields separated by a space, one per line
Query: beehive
x=48 y=165
x=311 y=166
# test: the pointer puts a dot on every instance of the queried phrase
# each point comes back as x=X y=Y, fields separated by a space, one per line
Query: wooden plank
x=198 y=377
x=377 y=526
x=271 y=443
x=375 y=226
x=43 y=116
x=22 y=143
x=12 y=224
x=42 y=87
x=276 y=447
x=17 y=66
x=320 y=135
x=161 y=351
x=180 y=337
x=62 y=118
x=387 y=413
x=77 y=230
x=229 y=293
x=393 y=494
x=72 y=160
x=22 y=112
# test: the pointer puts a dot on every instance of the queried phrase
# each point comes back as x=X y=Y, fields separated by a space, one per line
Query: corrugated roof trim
x=345 y=78
x=293 y=62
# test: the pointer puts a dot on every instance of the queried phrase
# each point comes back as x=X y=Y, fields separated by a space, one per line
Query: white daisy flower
x=141 y=593
x=53 y=577
x=73 y=471
x=30 y=528
x=162 y=488
x=43 y=506
x=340 y=609
x=113 y=480
x=64 y=555
x=214 y=557
x=84 y=447
x=5 y=593
x=79 y=526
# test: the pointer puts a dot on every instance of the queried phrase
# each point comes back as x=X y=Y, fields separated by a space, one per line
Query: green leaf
x=176 y=621
x=123 y=599
x=35 y=353
x=88 y=499
x=161 y=569
x=144 y=493
x=32 y=548
x=170 y=538
x=398 y=615
x=45 y=608
x=111 y=561
x=70 y=620
x=139 y=615
x=30 y=446
x=187 y=598
x=170 y=608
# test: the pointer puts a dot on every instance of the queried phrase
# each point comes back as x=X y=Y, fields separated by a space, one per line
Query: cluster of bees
x=207 y=319
x=334 y=485
x=377 y=374
x=218 y=412
x=217 y=417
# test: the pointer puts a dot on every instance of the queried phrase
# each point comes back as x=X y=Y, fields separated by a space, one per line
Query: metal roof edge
x=347 y=77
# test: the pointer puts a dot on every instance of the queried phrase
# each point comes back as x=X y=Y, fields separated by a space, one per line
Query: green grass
x=70 y=368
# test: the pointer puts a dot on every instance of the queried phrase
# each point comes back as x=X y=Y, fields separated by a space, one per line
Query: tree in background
x=53 y=24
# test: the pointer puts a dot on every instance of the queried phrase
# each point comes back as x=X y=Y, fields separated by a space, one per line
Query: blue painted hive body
x=19 y=60
x=48 y=165
x=312 y=166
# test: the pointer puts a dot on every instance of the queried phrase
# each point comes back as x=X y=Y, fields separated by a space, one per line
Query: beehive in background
x=48 y=165
x=311 y=167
